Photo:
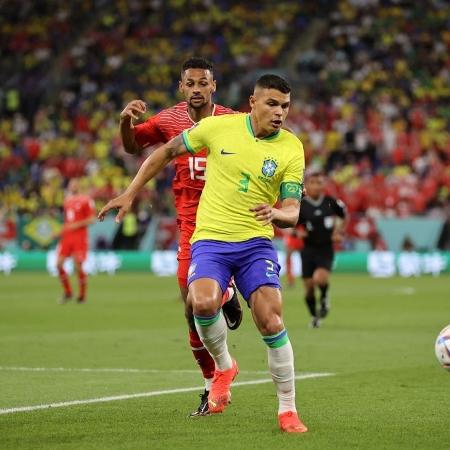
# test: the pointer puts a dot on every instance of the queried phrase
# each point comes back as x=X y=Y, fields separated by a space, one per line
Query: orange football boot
x=220 y=395
x=290 y=423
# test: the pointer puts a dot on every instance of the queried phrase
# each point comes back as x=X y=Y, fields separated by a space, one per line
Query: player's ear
x=180 y=86
x=214 y=86
x=252 y=101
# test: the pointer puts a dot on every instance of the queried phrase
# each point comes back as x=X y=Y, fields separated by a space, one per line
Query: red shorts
x=293 y=242
x=184 y=251
x=73 y=246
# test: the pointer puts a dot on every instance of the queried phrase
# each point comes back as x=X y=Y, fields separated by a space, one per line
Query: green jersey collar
x=248 y=122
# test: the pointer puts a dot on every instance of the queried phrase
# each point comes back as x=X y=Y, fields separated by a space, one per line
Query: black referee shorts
x=316 y=258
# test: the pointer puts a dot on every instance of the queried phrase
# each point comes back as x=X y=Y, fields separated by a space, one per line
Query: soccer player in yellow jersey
x=251 y=162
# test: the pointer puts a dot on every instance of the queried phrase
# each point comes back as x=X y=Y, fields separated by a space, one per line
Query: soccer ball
x=442 y=348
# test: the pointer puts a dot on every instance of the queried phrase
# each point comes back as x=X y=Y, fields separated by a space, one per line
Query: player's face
x=315 y=186
x=269 y=108
x=197 y=86
x=74 y=186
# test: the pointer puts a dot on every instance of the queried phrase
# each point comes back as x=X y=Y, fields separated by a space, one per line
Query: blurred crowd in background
x=370 y=94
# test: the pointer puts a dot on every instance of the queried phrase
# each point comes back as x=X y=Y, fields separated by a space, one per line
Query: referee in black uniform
x=323 y=218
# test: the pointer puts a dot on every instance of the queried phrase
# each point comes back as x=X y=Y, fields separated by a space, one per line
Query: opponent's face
x=269 y=108
x=197 y=86
x=315 y=186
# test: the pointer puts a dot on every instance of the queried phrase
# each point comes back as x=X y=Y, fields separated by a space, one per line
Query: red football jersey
x=76 y=208
x=189 y=169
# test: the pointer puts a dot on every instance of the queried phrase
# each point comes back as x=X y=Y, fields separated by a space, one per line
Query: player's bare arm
x=284 y=217
x=131 y=111
x=150 y=167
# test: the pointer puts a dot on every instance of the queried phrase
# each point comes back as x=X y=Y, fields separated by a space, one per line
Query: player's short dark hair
x=271 y=81
x=197 y=62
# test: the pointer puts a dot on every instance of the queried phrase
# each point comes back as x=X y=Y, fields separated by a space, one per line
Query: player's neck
x=197 y=114
x=258 y=131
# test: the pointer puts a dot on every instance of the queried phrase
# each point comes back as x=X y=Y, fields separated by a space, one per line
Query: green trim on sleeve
x=185 y=137
x=291 y=190
x=248 y=123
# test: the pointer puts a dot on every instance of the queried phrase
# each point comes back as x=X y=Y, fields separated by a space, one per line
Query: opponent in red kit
x=79 y=213
x=292 y=243
x=197 y=86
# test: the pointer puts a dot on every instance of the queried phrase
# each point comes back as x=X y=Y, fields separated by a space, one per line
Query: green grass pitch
x=388 y=391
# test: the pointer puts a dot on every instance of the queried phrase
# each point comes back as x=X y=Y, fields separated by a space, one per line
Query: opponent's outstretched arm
x=150 y=167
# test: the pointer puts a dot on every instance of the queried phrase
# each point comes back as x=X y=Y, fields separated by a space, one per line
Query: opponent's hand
x=133 y=109
x=263 y=213
x=122 y=203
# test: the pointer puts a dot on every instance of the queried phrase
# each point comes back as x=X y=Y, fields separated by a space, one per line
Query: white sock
x=281 y=365
x=208 y=383
x=213 y=333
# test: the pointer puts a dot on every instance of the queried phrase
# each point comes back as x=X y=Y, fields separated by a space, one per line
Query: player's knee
x=204 y=304
x=271 y=325
x=320 y=278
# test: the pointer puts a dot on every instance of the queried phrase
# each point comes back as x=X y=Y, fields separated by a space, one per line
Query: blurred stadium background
x=370 y=102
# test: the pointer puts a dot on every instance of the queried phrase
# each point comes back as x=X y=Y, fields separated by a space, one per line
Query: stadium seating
x=374 y=112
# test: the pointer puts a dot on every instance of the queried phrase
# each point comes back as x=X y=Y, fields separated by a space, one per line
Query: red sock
x=201 y=355
x=65 y=282
x=82 y=281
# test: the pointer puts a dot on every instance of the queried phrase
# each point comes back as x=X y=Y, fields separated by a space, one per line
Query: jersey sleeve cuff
x=291 y=189
x=185 y=137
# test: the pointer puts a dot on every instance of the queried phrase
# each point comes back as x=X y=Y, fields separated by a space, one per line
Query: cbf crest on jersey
x=269 y=167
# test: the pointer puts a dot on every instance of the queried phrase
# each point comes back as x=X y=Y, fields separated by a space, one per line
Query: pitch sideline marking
x=146 y=394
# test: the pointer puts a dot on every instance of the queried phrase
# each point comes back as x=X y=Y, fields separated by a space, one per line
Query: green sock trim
x=207 y=321
x=276 y=340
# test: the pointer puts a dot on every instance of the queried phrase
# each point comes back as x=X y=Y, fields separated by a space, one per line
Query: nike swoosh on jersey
x=223 y=152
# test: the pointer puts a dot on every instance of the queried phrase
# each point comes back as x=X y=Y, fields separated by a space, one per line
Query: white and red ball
x=442 y=348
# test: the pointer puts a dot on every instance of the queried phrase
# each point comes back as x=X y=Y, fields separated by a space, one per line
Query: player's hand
x=263 y=213
x=133 y=109
x=122 y=203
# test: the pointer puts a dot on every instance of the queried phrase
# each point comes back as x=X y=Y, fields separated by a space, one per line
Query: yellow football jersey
x=241 y=172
